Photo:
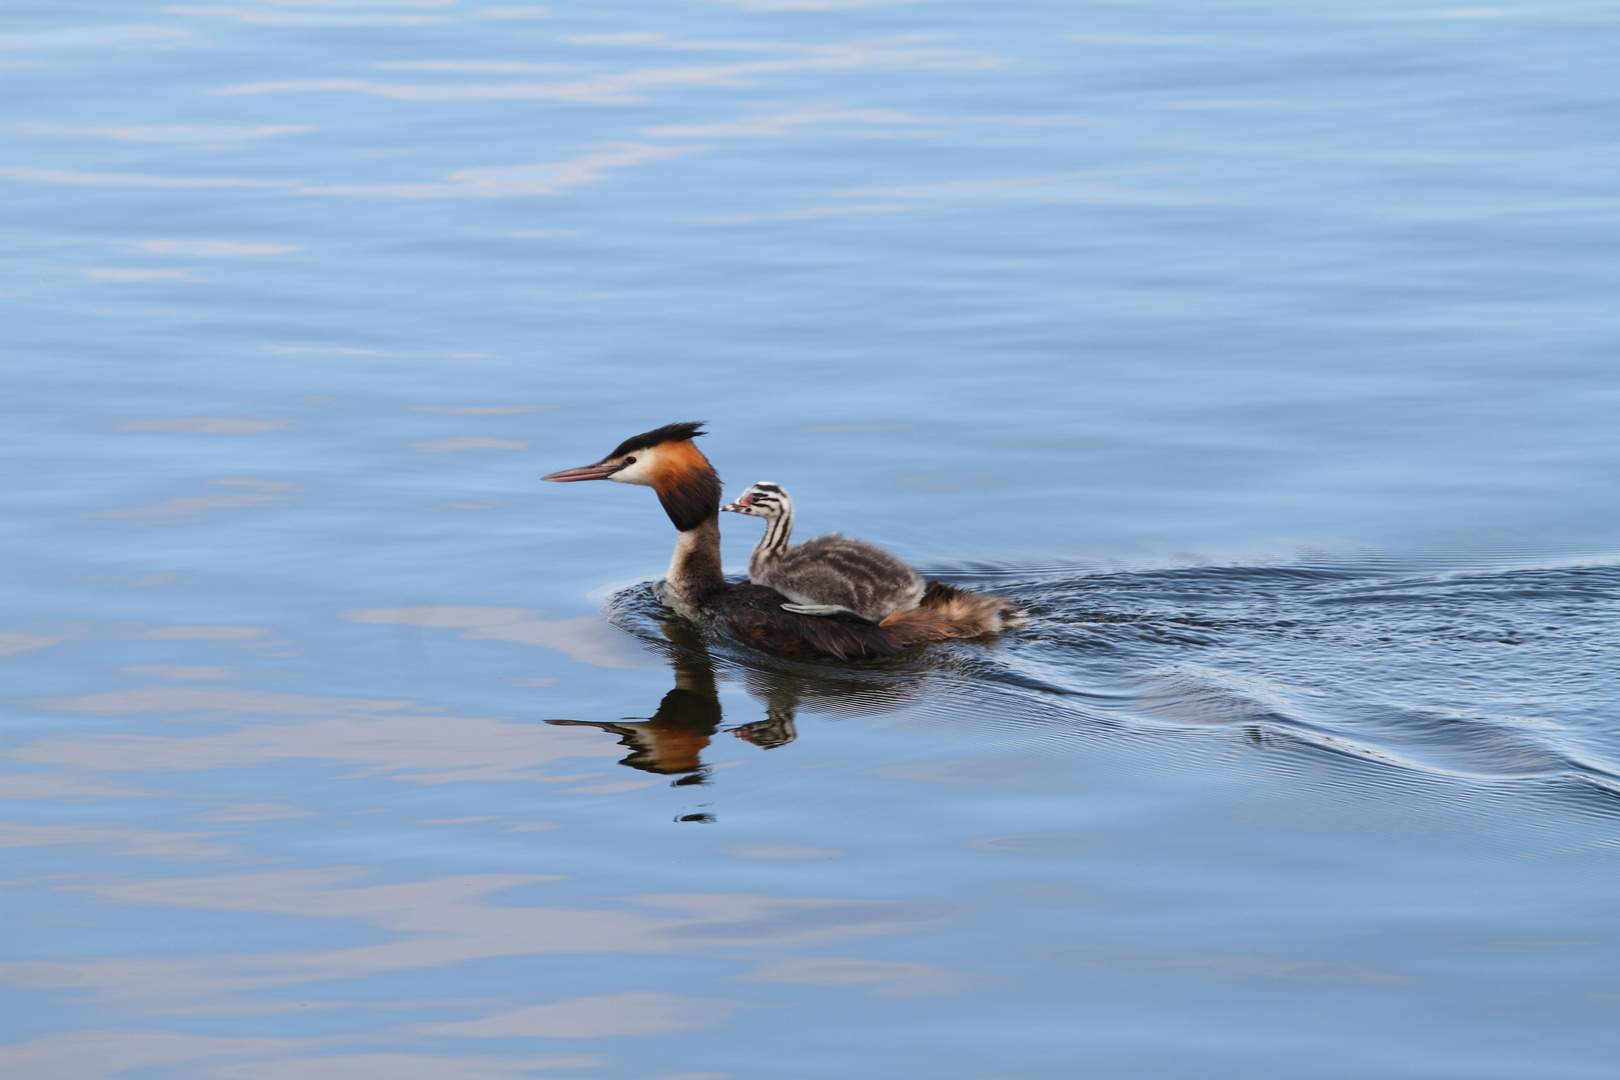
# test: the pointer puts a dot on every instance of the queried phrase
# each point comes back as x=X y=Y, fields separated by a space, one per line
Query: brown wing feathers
x=755 y=612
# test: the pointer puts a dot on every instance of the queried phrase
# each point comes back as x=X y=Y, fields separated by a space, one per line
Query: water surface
x=1265 y=353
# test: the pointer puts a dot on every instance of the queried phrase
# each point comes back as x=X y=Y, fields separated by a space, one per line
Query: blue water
x=1265 y=354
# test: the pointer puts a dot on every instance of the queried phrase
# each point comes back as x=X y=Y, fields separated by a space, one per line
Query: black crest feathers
x=691 y=429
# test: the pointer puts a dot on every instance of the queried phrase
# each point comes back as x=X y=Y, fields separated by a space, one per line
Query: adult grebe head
x=665 y=460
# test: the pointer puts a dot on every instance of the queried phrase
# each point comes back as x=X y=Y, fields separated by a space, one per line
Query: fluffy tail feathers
x=756 y=613
x=947 y=612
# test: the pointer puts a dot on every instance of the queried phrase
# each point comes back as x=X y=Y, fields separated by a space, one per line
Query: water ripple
x=1479 y=674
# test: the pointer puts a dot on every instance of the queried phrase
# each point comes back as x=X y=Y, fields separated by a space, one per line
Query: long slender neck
x=774 y=544
x=691 y=497
x=694 y=571
x=779 y=529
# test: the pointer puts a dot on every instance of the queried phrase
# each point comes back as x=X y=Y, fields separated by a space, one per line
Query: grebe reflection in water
x=672 y=740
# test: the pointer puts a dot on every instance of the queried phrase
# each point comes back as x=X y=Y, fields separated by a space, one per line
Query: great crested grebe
x=830 y=575
x=666 y=460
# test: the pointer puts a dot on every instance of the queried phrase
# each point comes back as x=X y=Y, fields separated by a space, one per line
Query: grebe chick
x=666 y=460
x=830 y=575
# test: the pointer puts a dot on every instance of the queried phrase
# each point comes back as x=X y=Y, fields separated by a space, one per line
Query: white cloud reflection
x=889 y=978
x=484 y=410
x=257 y=812
x=187 y=508
x=210 y=249
x=808 y=213
x=215 y=700
x=509 y=181
x=1090 y=186
x=402 y=1066
x=468 y=442
x=88 y=37
x=485 y=67
x=272 y=15
x=55 y=785
x=182 y=672
x=327 y=350
x=81 y=179
x=1146 y=40
x=863 y=122
x=1099 y=186
x=813 y=5
x=1231 y=966
x=589 y=640
x=169 y=133
x=122 y=841
x=904 y=53
x=785 y=851
x=434 y=924
x=401 y=746
x=202 y=633
x=107 y=273
x=634 y=1013
x=16 y=643
x=92 y=1055
x=486 y=182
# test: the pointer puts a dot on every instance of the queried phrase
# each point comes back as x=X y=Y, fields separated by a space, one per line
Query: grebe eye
x=629 y=461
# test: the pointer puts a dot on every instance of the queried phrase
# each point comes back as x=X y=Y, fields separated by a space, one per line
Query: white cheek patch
x=639 y=473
